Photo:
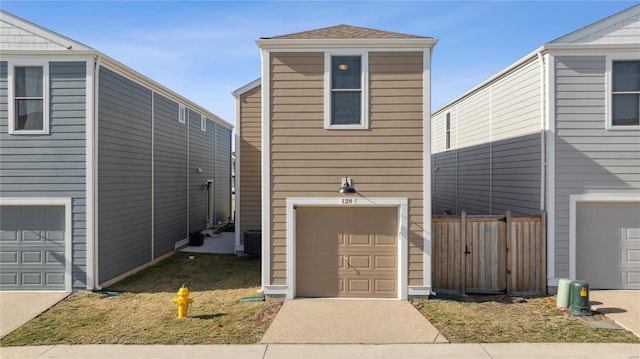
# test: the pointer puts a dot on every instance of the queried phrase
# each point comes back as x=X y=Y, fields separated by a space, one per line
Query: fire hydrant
x=183 y=301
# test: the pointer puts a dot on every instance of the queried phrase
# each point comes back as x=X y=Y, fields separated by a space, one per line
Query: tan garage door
x=347 y=252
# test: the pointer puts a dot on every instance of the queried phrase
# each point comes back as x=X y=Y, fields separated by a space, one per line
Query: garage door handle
x=346 y=261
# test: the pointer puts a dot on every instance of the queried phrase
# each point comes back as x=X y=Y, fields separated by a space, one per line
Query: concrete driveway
x=622 y=306
x=17 y=308
x=336 y=321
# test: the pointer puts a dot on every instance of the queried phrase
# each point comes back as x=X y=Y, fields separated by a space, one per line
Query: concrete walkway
x=223 y=243
x=17 y=308
x=318 y=351
x=318 y=321
x=622 y=306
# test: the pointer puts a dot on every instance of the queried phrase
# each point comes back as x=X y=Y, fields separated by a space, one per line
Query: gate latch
x=466 y=249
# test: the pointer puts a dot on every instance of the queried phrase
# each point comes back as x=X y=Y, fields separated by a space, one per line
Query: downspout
x=95 y=252
x=543 y=141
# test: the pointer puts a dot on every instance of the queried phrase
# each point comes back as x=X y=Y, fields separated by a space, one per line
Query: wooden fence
x=489 y=254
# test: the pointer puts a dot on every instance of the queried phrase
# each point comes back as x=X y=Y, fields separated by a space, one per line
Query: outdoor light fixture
x=343 y=67
x=346 y=186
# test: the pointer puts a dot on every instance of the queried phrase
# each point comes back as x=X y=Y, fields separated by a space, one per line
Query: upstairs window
x=182 y=114
x=447 y=131
x=203 y=123
x=625 y=93
x=28 y=108
x=345 y=102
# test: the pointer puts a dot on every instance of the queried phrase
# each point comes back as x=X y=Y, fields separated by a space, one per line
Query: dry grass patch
x=145 y=314
x=501 y=319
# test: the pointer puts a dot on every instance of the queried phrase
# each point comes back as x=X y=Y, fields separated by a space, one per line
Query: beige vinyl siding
x=250 y=163
x=494 y=161
x=589 y=159
x=384 y=161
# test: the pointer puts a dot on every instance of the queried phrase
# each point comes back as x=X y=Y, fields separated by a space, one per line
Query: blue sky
x=206 y=49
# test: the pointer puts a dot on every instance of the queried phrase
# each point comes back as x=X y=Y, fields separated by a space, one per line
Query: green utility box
x=579 y=298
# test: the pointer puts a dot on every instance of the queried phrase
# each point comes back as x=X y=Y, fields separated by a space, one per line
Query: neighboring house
x=335 y=103
x=102 y=170
x=557 y=131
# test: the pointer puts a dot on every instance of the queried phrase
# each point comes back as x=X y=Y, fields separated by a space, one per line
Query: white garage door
x=608 y=244
x=32 y=248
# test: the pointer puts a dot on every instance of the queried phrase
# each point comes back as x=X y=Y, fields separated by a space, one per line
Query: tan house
x=333 y=156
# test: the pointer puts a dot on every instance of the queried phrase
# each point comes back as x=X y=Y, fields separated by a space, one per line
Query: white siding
x=12 y=37
x=589 y=159
x=626 y=31
x=494 y=161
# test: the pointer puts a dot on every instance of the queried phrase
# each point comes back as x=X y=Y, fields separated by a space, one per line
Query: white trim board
x=68 y=226
x=574 y=199
x=403 y=225
x=426 y=176
x=266 y=167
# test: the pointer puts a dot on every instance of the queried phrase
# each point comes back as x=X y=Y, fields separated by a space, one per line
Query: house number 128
x=347 y=200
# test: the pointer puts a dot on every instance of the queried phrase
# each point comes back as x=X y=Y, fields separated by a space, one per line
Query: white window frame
x=447 y=130
x=203 y=123
x=12 y=64
x=364 y=81
x=182 y=113
x=610 y=59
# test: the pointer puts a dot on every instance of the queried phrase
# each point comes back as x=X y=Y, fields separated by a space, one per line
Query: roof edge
x=597 y=26
x=159 y=88
x=423 y=42
x=251 y=85
x=491 y=79
x=52 y=36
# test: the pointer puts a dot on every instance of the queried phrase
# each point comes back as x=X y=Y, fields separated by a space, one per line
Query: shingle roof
x=346 y=32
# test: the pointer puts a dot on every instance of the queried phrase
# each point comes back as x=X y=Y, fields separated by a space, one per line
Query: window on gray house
x=346 y=90
x=447 y=132
x=625 y=94
x=29 y=98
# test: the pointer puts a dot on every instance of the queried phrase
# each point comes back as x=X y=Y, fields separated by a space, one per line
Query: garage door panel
x=359 y=262
x=367 y=236
x=386 y=262
x=388 y=286
x=32 y=247
x=358 y=286
x=608 y=244
x=359 y=240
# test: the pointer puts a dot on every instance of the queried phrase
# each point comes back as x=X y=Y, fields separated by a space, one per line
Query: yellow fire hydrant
x=183 y=301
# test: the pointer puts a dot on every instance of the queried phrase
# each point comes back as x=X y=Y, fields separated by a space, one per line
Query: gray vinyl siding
x=51 y=165
x=494 y=162
x=170 y=176
x=4 y=98
x=223 y=173
x=201 y=155
x=124 y=175
x=589 y=159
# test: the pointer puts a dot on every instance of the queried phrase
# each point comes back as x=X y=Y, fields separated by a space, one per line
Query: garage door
x=608 y=244
x=346 y=252
x=32 y=247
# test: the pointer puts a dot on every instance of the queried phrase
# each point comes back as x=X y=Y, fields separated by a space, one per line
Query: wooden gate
x=489 y=254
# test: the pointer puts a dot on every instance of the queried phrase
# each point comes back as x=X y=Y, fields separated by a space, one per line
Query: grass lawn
x=500 y=319
x=145 y=314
